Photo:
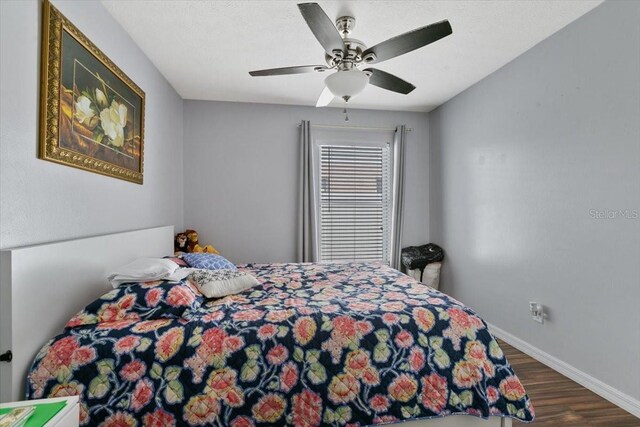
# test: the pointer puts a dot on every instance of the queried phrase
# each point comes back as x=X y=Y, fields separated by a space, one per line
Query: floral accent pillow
x=220 y=283
x=208 y=261
x=133 y=302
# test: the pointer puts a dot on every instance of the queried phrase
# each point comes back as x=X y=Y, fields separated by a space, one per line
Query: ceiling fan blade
x=325 y=98
x=322 y=27
x=407 y=42
x=389 y=81
x=288 y=70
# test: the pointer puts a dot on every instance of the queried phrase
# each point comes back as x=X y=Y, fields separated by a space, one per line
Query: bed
x=331 y=344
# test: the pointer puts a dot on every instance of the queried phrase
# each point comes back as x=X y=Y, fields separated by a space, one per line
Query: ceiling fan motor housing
x=352 y=54
x=353 y=48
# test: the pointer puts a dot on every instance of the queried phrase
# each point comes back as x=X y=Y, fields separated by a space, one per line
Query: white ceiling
x=206 y=48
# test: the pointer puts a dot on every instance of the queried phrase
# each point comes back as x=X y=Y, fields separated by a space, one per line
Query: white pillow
x=146 y=270
x=223 y=282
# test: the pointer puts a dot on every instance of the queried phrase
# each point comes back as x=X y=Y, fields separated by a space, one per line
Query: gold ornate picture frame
x=91 y=113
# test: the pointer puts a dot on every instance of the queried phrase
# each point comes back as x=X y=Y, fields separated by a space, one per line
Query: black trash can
x=426 y=257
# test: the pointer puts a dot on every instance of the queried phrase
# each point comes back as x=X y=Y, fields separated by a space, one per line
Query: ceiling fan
x=346 y=55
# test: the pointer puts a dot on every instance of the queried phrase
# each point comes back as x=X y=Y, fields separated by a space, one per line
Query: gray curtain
x=307 y=237
x=397 y=211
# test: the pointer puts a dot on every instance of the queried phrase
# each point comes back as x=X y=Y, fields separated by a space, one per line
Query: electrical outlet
x=537 y=311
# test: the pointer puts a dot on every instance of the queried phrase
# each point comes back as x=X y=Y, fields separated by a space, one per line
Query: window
x=355 y=199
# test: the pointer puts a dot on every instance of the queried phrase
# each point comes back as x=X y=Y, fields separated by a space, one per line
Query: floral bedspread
x=315 y=344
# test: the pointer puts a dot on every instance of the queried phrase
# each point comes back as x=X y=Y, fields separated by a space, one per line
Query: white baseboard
x=613 y=395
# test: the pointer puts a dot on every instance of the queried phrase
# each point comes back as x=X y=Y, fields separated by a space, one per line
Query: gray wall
x=43 y=201
x=241 y=174
x=518 y=161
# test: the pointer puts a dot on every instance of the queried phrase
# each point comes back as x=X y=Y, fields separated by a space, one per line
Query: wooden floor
x=560 y=402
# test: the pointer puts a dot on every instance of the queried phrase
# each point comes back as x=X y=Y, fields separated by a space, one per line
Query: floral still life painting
x=92 y=114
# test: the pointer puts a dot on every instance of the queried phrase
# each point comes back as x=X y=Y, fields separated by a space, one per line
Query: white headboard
x=43 y=286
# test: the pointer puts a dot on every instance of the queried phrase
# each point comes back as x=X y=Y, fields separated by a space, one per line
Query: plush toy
x=180 y=244
x=193 y=245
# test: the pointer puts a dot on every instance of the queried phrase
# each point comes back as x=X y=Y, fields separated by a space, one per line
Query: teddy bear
x=193 y=245
x=180 y=244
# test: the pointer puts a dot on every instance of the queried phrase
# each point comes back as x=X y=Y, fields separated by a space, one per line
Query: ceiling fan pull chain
x=346 y=117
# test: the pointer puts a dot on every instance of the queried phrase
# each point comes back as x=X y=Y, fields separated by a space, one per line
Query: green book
x=43 y=413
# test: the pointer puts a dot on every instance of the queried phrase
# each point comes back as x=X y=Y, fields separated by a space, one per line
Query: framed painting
x=91 y=113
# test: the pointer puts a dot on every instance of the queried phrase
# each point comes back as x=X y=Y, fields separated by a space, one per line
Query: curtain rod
x=357 y=127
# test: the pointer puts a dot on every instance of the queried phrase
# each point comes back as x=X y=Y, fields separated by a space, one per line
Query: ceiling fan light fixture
x=347 y=83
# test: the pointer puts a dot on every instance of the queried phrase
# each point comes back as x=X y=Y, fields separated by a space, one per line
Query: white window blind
x=355 y=203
